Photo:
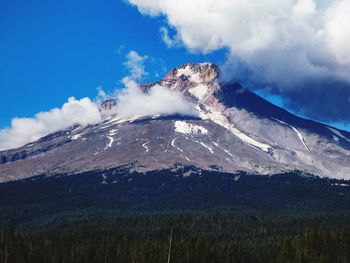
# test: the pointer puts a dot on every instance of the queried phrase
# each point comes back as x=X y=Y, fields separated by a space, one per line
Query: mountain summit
x=233 y=130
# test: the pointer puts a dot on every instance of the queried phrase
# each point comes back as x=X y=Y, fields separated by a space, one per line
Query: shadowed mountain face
x=235 y=130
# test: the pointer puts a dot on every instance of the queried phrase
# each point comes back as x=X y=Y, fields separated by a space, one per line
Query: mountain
x=232 y=130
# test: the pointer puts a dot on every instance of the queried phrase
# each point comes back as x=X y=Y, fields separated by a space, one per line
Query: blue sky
x=51 y=50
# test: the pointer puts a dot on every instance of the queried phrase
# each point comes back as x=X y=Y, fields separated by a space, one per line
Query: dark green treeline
x=197 y=238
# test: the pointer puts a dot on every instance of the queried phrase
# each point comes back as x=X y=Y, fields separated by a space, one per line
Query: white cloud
x=283 y=43
x=338 y=31
x=132 y=101
x=304 y=7
x=246 y=27
x=25 y=130
x=168 y=40
x=135 y=65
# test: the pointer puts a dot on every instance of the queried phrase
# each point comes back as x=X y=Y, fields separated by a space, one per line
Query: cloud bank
x=25 y=130
x=298 y=49
x=133 y=101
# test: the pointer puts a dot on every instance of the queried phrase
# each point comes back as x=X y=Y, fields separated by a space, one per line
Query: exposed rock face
x=235 y=130
x=206 y=72
x=108 y=104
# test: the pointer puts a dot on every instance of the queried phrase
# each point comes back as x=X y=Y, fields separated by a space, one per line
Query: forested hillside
x=197 y=237
x=118 y=215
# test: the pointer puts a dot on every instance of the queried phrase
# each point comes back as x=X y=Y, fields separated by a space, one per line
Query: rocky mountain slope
x=233 y=130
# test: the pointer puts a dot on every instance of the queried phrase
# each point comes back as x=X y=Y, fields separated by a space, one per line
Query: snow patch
x=74 y=130
x=113 y=132
x=144 y=145
x=189 y=128
x=76 y=136
x=300 y=136
x=218 y=118
x=207 y=147
x=109 y=144
x=226 y=151
x=173 y=144
x=116 y=120
x=199 y=91
x=338 y=133
x=193 y=77
x=110 y=137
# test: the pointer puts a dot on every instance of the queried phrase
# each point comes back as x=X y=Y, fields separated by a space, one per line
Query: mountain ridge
x=234 y=129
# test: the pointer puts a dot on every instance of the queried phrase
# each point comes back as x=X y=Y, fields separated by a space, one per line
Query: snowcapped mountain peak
x=235 y=130
x=201 y=83
x=196 y=72
x=195 y=80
